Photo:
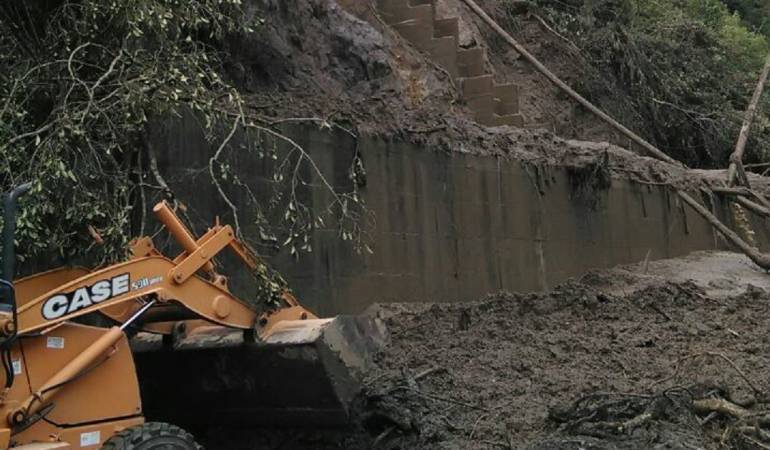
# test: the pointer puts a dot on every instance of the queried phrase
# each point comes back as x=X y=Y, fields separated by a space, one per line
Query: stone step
x=504 y=109
x=470 y=62
x=446 y=27
x=416 y=33
x=443 y=51
x=424 y=14
x=514 y=120
x=482 y=107
x=491 y=104
x=476 y=87
x=506 y=99
x=507 y=93
x=398 y=14
x=392 y=11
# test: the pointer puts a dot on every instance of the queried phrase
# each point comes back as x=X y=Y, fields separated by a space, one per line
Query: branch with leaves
x=80 y=85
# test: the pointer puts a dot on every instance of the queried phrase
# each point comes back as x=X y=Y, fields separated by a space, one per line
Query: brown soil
x=508 y=371
x=328 y=63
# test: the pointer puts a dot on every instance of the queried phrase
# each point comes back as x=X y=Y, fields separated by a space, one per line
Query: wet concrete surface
x=447 y=227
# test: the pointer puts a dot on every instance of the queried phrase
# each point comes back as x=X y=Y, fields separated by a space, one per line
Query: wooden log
x=755 y=255
x=736 y=159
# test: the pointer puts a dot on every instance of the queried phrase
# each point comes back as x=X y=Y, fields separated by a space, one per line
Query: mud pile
x=623 y=358
x=518 y=371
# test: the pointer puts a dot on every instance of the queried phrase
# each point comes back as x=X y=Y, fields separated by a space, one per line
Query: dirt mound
x=620 y=359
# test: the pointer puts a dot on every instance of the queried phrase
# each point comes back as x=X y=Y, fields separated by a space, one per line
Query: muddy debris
x=627 y=358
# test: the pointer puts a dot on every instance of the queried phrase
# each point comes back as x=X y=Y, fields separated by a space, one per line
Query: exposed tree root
x=604 y=415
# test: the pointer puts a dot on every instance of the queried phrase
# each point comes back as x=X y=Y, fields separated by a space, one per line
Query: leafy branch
x=81 y=84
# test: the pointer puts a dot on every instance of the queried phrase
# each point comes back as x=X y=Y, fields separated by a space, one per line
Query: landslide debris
x=645 y=356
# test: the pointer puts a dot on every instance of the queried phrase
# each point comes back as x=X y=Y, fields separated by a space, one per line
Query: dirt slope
x=335 y=64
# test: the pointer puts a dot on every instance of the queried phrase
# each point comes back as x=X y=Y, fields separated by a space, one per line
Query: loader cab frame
x=7 y=296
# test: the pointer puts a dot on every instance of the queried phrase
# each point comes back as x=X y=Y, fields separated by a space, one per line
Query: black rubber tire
x=152 y=436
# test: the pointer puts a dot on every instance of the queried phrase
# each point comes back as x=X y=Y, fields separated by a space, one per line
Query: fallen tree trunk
x=719 y=405
x=736 y=159
x=755 y=255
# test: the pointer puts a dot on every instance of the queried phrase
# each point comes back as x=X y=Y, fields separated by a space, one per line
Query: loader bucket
x=307 y=372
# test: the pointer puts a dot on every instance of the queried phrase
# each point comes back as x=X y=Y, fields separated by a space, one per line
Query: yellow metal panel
x=33 y=286
x=108 y=390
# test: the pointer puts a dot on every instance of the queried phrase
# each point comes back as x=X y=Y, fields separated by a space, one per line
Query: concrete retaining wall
x=449 y=227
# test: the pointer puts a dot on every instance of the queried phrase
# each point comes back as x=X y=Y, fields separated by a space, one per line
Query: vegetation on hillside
x=755 y=13
x=80 y=83
x=681 y=72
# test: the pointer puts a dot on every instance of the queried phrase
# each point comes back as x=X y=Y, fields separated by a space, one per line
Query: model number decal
x=62 y=304
x=144 y=282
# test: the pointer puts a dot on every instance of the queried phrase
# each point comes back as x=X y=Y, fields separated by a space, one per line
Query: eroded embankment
x=613 y=360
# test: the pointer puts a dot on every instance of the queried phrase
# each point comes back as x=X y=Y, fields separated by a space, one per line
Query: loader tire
x=152 y=436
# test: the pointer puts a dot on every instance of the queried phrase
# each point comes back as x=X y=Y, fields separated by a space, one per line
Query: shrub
x=681 y=72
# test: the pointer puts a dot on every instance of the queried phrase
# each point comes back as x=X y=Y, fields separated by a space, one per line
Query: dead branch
x=743 y=177
x=755 y=430
x=719 y=405
x=382 y=436
x=742 y=192
x=756 y=443
x=156 y=173
x=711 y=416
x=322 y=123
x=550 y=29
x=736 y=159
x=731 y=191
x=761 y=199
x=732 y=364
x=631 y=424
x=34 y=133
x=443 y=399
x=427 y=372
x=757 y=165
x=215 y=180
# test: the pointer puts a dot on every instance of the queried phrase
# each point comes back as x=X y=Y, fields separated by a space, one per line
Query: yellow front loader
x=197 y=354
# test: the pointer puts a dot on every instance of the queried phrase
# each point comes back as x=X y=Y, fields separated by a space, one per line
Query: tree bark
x=759 y=259
x=736 y=159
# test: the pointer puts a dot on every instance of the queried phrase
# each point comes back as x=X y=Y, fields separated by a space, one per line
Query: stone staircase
x=415 y=20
